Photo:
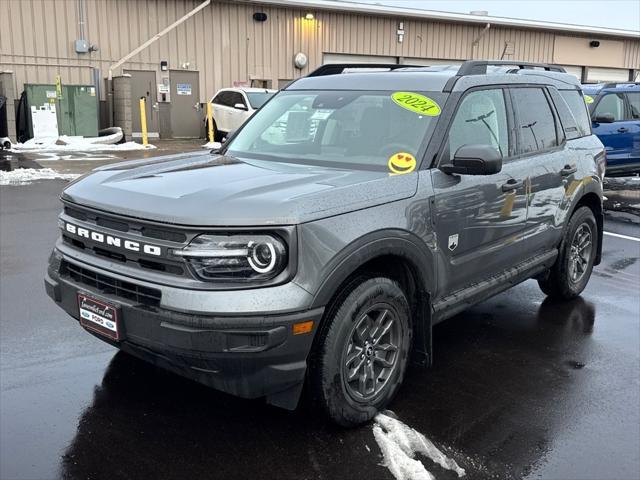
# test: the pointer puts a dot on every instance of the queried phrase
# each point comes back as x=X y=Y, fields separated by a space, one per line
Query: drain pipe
x=156 y=37
x=476 y=41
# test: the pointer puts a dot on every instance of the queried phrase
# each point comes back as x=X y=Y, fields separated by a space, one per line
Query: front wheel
x=569 y=275
x=363 y=351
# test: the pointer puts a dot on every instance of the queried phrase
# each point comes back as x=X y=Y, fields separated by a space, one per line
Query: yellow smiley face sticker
x=401 y=163
x=588 y=99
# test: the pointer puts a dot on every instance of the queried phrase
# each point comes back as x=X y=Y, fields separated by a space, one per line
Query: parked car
x=324 y=240
x=233 y=106
x=615 y=113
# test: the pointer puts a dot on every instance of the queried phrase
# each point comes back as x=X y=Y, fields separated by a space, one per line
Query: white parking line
x=626 y=237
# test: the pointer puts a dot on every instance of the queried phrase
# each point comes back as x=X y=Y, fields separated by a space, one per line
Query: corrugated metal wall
x=225 y=44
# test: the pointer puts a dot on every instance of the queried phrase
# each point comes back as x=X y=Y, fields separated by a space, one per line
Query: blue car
x=615 y=117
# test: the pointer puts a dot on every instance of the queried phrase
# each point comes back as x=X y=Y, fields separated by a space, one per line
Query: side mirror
x=475 y=160
x=604 y=118
x=240 y=106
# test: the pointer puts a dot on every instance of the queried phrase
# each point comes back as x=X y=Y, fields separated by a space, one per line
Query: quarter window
x=611 y=104
x=481 y=119
x=578 y=108
x=535 y=121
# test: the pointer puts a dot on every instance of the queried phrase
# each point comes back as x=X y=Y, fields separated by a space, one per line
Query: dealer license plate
x=99 y=316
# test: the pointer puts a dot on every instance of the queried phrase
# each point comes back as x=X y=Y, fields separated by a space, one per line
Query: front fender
x=399 y=243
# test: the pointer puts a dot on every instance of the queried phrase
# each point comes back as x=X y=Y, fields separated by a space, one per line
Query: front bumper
x=251 y=355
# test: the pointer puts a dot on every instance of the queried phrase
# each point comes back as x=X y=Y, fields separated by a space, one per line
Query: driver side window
x=481 y=119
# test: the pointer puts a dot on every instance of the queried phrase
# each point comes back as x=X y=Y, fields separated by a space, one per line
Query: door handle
x=568 y=170
x=623 y=130
x=511 y=185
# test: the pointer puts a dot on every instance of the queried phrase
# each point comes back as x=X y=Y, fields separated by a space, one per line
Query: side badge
x=453 y=242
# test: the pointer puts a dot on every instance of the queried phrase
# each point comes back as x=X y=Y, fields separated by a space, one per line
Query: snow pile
x=75 y=144
x=24 y=176
x=399 y=444
x=212 y=145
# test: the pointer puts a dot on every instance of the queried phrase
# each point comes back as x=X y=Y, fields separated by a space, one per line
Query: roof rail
x=336 y=68
x=479 y=67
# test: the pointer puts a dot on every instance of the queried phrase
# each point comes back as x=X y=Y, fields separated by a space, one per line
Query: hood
x=214 y=190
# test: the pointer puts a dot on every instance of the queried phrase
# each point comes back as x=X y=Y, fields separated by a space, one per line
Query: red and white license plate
x=99 y=316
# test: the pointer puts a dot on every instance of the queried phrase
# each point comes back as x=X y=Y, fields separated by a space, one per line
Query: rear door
x=551 y=162
x=479 y=219
x=615 y=136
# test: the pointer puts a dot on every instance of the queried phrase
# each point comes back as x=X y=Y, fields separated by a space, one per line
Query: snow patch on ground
x=399 y=444
x=212 y=145
x=75 y=144
x=24 y=176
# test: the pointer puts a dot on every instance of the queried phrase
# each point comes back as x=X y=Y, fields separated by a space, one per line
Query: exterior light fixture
x=309 y=16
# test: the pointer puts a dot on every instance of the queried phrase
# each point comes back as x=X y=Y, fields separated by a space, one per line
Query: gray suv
x=355 y=210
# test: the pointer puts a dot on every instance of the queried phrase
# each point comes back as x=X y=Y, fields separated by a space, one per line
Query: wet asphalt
x=522 y=387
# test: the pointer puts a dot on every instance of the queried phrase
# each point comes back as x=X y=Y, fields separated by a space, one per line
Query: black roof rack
x=336 y=68
x=479 y=67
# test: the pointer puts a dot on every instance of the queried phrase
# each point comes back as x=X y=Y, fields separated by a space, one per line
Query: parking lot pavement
x=521 y=387
x=82 y=162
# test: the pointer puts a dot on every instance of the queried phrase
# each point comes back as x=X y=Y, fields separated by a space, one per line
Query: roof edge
x=408 y=12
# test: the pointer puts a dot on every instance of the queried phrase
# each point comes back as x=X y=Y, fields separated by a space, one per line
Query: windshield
x=360 y=128
x=257 y=99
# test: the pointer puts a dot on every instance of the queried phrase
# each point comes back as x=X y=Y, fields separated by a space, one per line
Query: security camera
x=594 y=43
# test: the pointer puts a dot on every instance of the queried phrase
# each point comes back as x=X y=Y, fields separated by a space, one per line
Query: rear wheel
x=363 y=351
x=570 y=274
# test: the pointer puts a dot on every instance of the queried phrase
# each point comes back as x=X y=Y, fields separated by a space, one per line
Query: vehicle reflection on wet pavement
x=522 y=387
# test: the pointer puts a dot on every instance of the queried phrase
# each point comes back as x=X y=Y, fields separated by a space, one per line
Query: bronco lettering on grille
x=113 y=241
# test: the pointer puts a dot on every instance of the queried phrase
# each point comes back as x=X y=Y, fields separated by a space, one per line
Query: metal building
x=263 y=43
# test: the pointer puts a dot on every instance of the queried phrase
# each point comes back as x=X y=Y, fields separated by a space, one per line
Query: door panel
x=143 y=84
x=478 y=219
x=186 y=114
x=618 y=143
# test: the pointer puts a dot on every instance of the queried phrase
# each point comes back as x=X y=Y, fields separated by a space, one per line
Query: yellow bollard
x=211 y=132
x=143 y=122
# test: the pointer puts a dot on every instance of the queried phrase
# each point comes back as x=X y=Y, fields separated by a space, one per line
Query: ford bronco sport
x=321 y=244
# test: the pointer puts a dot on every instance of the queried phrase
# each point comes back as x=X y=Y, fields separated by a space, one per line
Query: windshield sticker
x=588 y=99
x=321 y=114
x=401 y=163
x=417 y=103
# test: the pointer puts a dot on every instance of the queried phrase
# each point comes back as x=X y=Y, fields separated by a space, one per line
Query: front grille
x=133 y=229
x=110 y=286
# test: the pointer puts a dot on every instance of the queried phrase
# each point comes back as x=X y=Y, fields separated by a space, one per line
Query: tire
x=348 y=334
x=566 y=280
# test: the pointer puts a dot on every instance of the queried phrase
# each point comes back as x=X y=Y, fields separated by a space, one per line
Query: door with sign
x=186 y=114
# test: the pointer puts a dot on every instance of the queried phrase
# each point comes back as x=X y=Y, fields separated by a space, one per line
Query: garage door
x=349 y=58
x=573 y=70
x=607 y=75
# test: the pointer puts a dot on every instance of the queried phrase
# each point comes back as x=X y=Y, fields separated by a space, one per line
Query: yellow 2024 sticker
x=588 y=99
x=402 y=162
x=416 y=103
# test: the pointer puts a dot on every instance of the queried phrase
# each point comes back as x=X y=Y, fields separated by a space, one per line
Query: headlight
x=235 y=258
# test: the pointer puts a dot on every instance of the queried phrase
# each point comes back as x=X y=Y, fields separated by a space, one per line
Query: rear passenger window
x=535 y=121
x=481 y=119
x=610 y=104
x=634 y=103
x=578 y=109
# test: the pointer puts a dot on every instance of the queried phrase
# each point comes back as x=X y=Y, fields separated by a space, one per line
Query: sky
x=623 y=14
